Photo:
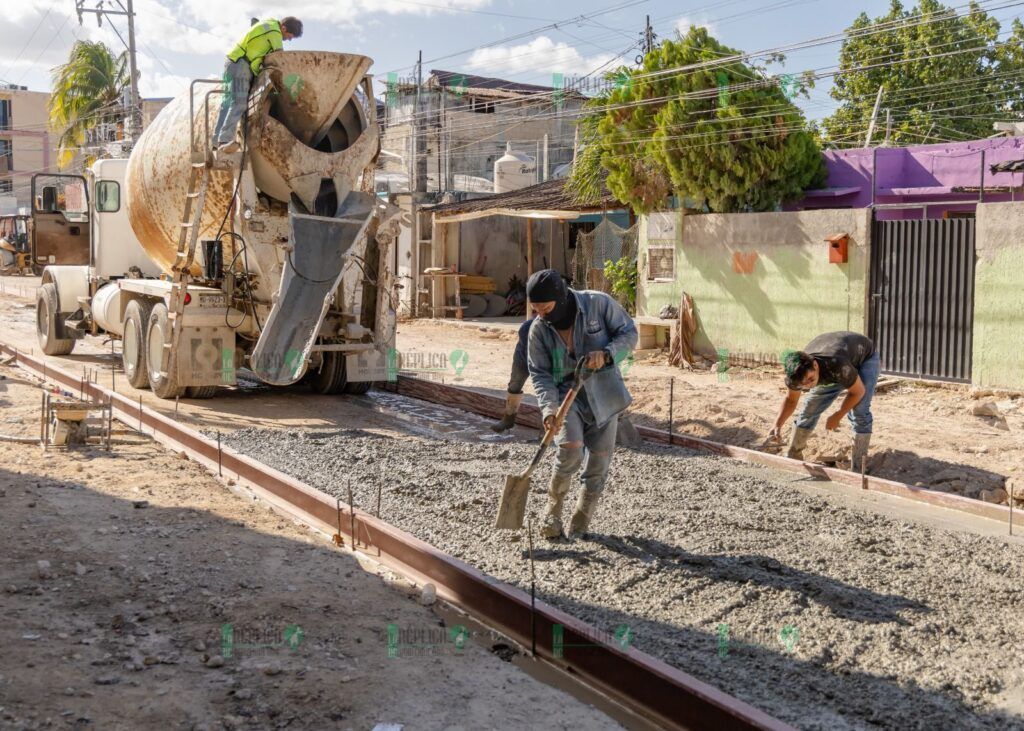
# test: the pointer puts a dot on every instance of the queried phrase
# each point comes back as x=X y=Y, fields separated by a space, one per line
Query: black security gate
x=921 y=310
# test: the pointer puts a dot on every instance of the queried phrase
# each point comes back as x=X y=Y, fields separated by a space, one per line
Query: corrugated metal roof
x=548 y=196
x=1008 y=166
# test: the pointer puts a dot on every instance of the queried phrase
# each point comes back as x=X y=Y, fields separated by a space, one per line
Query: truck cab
x=120 y=291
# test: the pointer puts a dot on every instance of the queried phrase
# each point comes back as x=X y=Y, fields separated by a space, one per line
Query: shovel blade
x=512 y=509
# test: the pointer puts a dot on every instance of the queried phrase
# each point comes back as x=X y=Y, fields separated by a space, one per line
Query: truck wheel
x=133 y=344
x=358 y=388
x=156 y=335
x=200 y=392
x=49 y=327
x=331 y=378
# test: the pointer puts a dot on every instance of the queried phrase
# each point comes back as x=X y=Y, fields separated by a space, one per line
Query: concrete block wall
x=998 y=352
x=762 y=282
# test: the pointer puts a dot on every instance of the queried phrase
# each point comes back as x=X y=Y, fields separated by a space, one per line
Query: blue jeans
x=598 y=445
x=237 y=79
x=820 y=398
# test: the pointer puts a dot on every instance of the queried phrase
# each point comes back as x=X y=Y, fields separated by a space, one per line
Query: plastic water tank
x=513 y=171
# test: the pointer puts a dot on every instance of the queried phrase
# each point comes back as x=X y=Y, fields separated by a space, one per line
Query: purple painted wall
x=923 y=173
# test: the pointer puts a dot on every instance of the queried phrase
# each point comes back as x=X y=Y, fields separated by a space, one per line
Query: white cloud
x=684 y=23
x=541 y=55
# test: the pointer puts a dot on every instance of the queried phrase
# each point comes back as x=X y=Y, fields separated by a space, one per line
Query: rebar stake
x=378 y=499
x=140 y=413
x=671 y=406
x=220 y=458
x=1011 y=508
x=352 y=515
x=175 y=407
x=533 y=591
x=339 y=540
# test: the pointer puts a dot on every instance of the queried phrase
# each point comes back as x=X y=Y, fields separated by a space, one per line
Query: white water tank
x=513 y=171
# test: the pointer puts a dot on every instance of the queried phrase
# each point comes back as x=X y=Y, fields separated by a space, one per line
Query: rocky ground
x=949 y=438
x=139 y=593
x=823 y=613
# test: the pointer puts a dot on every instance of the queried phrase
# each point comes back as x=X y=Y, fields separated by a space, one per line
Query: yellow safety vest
x=261 y=39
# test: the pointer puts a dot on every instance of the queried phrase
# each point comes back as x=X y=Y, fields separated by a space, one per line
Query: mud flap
x=320 y=254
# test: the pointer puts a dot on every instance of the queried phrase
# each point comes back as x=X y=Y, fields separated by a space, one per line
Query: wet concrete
x=823 y=614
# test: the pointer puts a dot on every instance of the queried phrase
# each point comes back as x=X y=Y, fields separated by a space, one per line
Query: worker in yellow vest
x=244 y=62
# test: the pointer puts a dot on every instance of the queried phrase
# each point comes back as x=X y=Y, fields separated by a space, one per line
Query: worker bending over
x=516 y=381
x=573 y=325
x=830 y=364
x=244 y=62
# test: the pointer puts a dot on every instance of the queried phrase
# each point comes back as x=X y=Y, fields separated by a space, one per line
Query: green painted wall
x=998 y=354
x=792 y=292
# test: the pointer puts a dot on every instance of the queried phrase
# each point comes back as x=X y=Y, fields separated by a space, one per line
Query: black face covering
x=547 y=285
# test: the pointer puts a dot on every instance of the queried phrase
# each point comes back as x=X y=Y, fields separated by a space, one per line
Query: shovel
x=512 y=509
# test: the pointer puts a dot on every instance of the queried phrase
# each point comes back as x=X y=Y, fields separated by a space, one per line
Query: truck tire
x=49 y=325
x=156 y=336
x=358 y=388
x=200 y=392
x=134 y=347
x=331 y=378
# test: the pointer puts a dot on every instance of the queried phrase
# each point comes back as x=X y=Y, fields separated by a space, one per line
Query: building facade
x=462 y=124
x=27 y=146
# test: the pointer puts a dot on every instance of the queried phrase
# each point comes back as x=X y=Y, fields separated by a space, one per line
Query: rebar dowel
x=220 y=458
x=671 y=406
x=378 y=499
x=140 y=413
x=533 y=591
x=42 y=420
x=352 y=515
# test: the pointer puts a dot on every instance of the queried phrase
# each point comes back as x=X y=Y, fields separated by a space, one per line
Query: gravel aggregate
x=825 y=616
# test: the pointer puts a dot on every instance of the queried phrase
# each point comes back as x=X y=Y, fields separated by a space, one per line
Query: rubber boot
x=551 y=528
x=797 y=443
x=512 y=401
x=861 y=442
x=585 y=507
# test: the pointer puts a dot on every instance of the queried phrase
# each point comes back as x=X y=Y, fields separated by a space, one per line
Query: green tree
x=714 y=131
x=87 y=92
x=944 y=76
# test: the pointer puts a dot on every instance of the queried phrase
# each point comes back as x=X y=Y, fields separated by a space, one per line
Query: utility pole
x=888 y=126
x=420 y=125
x=648 y=37
x=133 y=117
x=874 y=117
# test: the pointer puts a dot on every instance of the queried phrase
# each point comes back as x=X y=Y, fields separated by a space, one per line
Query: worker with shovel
x=827 y=366
x=592 y=330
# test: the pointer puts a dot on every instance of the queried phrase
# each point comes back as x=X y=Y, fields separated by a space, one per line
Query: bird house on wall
x=838 y=248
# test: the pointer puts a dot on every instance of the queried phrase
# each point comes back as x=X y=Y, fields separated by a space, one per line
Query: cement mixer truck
x=276 y=259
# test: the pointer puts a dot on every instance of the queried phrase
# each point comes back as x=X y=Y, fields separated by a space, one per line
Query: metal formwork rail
x=640 y=682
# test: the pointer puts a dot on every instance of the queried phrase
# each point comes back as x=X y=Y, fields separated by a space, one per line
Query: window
x=661 y=263
x=5 y=113
x=108 y=196
x=479 y=106
x=6 y=186
x=6 y=156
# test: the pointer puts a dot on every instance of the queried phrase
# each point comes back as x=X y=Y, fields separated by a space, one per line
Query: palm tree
x=87 y=92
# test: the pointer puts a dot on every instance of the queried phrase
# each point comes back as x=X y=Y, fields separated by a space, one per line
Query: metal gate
x=922 y=297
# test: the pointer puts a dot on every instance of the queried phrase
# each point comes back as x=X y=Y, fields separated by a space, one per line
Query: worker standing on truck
x=573 y=325
x=516 y=381
x=827 y=366
x=243 y=63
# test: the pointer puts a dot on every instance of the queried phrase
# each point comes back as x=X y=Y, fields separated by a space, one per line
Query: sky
x=525 y=40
